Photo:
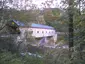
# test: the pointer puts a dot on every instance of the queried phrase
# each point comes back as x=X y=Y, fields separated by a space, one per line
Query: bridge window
x=37 y=31
x=49 y=31
x=46 y=31
x=42 y=32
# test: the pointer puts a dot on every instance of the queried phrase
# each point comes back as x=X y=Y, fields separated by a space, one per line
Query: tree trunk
x=70 y=14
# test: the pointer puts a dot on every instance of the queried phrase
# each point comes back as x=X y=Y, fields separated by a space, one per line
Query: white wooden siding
x=39 y=32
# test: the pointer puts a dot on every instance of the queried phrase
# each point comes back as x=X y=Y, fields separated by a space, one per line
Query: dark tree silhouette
x=70 y=14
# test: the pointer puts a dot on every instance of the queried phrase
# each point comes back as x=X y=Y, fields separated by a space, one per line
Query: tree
x=76 y=15
x=71 y=29
x=3 y=8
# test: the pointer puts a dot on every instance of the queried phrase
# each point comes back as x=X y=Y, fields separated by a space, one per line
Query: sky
x=56 y=3
x=38 y=3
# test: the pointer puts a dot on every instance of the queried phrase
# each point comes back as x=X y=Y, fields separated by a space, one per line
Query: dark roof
x=19 y=23
x=41 y=26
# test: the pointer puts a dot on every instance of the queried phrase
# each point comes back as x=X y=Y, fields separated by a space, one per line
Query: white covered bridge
x=44 y=34
x=39 y=30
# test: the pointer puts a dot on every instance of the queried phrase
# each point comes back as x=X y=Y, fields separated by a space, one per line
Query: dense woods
x=69 y=19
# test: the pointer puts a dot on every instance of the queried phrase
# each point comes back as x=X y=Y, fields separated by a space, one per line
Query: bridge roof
x=19 y=23
x=33 y=25
x=41 y=26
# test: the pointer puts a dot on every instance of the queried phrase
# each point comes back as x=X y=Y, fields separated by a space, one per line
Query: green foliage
x=56 y=12
x=59 y=26
x=32 y=60
x=9 y=58
x=61 y=56
x=8 y=43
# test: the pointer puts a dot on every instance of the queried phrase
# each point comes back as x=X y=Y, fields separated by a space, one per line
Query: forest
x=68 y=17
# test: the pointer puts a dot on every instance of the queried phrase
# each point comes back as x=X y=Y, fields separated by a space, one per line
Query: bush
x=9 y=58
x=61 y=56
